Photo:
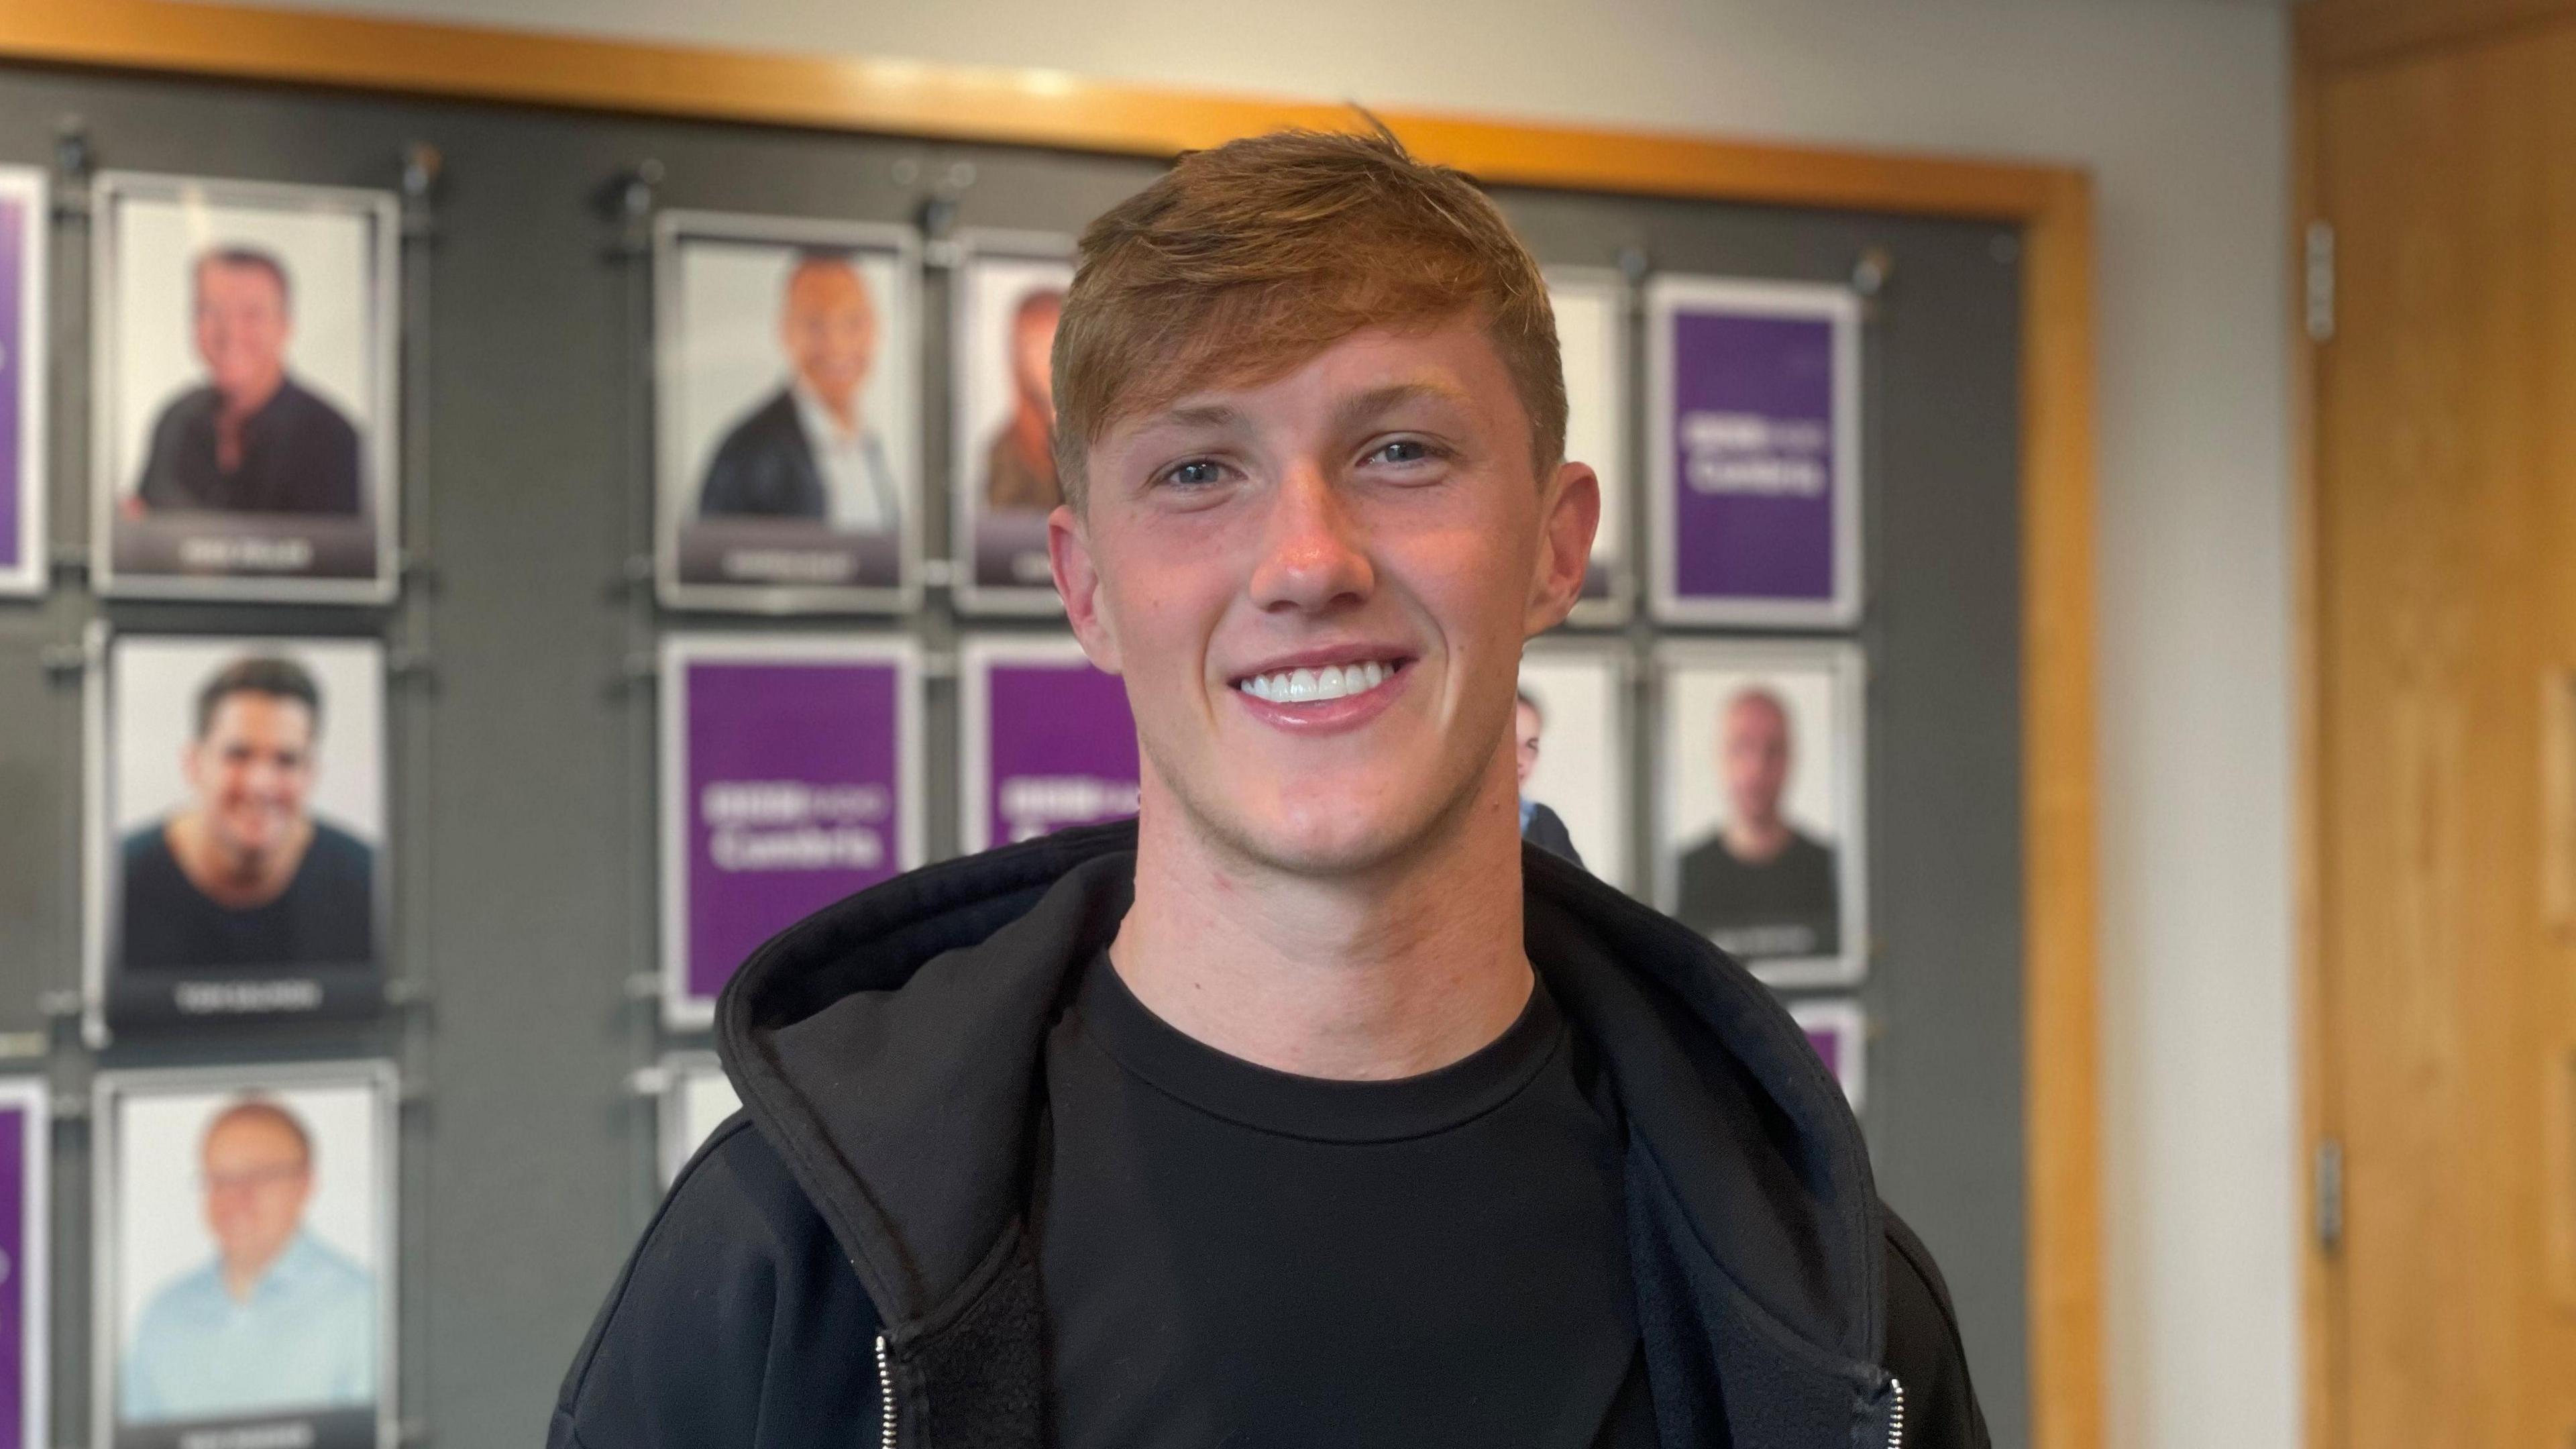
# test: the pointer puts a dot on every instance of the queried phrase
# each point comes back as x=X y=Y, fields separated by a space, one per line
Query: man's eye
x=1196 y=473
x=1402 y=450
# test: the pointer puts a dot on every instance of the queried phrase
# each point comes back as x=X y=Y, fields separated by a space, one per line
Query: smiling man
x=1312 y=1108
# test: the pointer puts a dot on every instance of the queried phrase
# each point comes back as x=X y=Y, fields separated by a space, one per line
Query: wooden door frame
x=2052 y=205
x=2332 y=38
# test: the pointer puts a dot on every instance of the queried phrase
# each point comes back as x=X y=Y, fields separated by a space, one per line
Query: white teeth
x=1314 y=686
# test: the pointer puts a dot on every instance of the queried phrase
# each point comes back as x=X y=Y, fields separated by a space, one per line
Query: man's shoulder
x=180 y=1303
x=1924 y=1349
x=311 y=409
x=770 y=424
x=735 y=1294
x=341 y=853
x=190 y=402
x=145 y=848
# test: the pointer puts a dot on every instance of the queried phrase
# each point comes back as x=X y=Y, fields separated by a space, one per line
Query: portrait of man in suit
x=1019 y=463
x=809 y=451
x=1758 y=885
x=1540 y=826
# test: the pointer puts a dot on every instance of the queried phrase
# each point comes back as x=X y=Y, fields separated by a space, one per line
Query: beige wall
x=2178 y=106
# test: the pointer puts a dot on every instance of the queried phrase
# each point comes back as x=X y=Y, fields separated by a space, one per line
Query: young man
x=1312 y=1108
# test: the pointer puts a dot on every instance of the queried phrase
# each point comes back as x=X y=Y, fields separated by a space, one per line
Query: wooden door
x=2443 y=828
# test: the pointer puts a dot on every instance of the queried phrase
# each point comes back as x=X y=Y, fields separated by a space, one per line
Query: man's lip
x=1321 y=655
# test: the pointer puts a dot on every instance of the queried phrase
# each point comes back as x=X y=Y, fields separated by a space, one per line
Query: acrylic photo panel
x=1580 y=780
x=245 y=1270
x=1047 y=740
x=1760 y=797
x=787 y=414
x=26 y=223
x=26 y=1247
x=1753 y=457
x=791 y=777
x=246 y=433
x=1839 y=1031
x=1009 y=289
x=695 y=1100
x=238 y=831
x=1591 y=306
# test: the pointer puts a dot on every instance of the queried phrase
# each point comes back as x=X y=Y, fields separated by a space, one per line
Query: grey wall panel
x=523 y=771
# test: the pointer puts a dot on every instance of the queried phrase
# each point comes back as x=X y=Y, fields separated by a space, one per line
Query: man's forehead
x=250 y=1131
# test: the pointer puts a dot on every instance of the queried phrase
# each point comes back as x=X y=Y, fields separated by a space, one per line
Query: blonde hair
x=1242 y=262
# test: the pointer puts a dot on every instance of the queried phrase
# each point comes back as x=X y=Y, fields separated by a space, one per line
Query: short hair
x=1761 y=694
x=1242 y=262
x=840 y=258
x=1034 y=299
x=259 y=674
x=257 y=259
x=253 y=1107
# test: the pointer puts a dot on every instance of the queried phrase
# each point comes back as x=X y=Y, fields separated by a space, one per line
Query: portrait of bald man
x=277 y=1318
x=809 y=450
x=1759 y=885
x=250 y=438
x=244 y=873
x=1019 y=463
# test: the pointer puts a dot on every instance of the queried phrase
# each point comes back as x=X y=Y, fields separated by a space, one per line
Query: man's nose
x=1313 y=551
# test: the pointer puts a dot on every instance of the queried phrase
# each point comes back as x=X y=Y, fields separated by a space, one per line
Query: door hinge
x=2329 y=1196
x=2321 y=281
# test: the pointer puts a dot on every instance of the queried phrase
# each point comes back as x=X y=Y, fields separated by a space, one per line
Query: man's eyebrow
x=1368 y=406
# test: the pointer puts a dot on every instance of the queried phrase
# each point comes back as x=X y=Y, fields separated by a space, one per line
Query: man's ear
x=1077 y=582
x=1573 y=504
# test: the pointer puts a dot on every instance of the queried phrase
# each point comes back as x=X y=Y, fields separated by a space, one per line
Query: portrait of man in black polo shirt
x=250 y=438
x=243 y=874
x=1759 y=885
x=1310 y=1107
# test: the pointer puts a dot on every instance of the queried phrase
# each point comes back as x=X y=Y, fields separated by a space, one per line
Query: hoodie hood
x=890 y=1046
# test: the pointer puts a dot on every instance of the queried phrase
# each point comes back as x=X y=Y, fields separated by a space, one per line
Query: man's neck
x=842 y=411
x=1757 y=842
x=1402 y=970
x=241 y=1277
x=235 y=879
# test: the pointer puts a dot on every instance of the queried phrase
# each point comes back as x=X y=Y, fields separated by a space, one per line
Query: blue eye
x=1402 y=450
x=1196 y=473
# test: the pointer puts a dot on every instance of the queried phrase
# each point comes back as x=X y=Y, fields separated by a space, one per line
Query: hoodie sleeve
x=1924 y=1350
x=711 y=1338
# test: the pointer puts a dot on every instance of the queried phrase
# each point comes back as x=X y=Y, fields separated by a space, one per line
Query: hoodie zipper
x=1895 y=1412
x=885 y=1395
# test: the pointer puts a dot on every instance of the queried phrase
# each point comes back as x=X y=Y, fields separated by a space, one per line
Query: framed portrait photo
x=1570 y=731
x=695 y=1100
x=245 y=1281
x=26 y=1254
x=1591 y=306
x=1009 y=293
x=1753 y=466
x=1760 y=794
x=1839 y=1031
x=1047 y=741
x=787 y=414
x=237 y=840
x=792 y=775
x=26 y=222
x=246 y=426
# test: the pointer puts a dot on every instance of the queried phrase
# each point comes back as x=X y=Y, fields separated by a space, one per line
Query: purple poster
x=790 y=775
x=1754 y=443
x=23 y=221
x=23 y=1146
x=1048 y=741
x=1837 y=1030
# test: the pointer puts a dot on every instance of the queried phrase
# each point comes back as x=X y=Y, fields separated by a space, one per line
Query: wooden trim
x=2060 y=873
x=2054 y=205
x=2338 y=33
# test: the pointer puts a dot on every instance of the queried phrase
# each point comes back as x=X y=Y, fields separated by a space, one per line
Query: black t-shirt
x=324 y=917
x=1789 y=905
x=298 y=455
x=1234 y=1256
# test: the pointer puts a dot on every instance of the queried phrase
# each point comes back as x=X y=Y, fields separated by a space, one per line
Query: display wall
x=527 y=663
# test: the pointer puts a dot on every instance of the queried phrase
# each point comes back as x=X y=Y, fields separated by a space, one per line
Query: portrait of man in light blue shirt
x=278 y=1320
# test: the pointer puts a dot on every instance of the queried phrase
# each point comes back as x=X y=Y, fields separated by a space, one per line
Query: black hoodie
x=857 y=1238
